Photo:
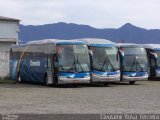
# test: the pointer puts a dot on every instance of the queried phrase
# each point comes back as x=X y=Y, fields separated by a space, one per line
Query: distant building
x=9 y=29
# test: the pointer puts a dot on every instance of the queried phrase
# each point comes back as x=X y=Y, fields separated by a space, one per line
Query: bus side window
x=49 y=65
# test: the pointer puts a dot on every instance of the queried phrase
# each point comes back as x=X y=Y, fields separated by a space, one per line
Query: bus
x=105 y=61
x=153 y=53
x=134 y=63
x=50 y=62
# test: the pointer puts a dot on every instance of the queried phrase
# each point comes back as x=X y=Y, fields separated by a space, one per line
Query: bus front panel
x=134 y=64
x=73 y=64
x=105 y=64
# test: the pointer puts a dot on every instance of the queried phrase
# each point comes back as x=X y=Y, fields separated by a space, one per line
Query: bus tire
x=132 y=82
x=19 y=78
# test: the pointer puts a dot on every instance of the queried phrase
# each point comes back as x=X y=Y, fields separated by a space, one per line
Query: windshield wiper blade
x=140 y=66
x=107 y=60
x=80 y=64
x=104 y=63
x=73 y=67
x=111 y=65
x=134 y=63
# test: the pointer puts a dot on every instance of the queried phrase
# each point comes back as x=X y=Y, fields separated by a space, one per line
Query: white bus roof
x=55 y=41
x=97 y=42
x=127 y=45
x=152 y=46
x=45 y=46
x=121 y=44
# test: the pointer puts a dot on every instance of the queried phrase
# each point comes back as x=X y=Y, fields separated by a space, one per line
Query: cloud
x=33 y=12
x=97 y=13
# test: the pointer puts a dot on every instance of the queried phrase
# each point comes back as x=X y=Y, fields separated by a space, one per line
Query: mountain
x=126 y=33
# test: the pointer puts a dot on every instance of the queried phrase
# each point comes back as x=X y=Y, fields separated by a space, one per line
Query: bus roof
x=152 y=46
x=56 y=42
x=45 y=46
x=128 y=45
x=98 y=42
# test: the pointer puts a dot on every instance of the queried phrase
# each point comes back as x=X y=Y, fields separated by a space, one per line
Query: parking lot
x=143 y=97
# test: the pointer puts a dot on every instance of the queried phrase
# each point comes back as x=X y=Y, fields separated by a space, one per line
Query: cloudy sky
x=97 y=13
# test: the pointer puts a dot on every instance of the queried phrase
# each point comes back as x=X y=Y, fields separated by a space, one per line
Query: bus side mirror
x=121 y=53
x=154 y=55
x=90 y=52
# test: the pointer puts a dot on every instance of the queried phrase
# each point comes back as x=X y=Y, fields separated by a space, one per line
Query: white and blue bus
x=134 y=63
x=153 y=52
x=105 y=61
x=50 y=62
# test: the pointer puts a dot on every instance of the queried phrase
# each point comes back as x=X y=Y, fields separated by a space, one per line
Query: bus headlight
x=86 y=76
x=146 y=74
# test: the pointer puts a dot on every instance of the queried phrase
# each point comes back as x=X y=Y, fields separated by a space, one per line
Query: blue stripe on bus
x=101 y=45
x=134 y=74
x=107 y=73
x=74 y=75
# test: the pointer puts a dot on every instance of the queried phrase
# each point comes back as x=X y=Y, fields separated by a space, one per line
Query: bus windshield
x=133 y=51
x=73 y=58
x=135 y=59
x=158 y=58
x=105 y=59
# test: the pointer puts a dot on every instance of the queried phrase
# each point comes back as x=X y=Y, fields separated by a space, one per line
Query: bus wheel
x=132 y=82
x=19 y=79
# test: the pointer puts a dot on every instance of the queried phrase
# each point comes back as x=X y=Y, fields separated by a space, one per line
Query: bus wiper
x=135 y=62
x=108 y=61
x=104 y=63
x=80 y=64
x=73 y=67
x=140 y=66
x=111 y=65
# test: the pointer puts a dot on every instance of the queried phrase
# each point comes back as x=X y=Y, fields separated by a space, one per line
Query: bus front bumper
x=141 y=78
x=97 y=78
x=64 y=80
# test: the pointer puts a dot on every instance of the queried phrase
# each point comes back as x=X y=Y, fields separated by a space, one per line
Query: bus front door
x=152 y=67
x=49 y=77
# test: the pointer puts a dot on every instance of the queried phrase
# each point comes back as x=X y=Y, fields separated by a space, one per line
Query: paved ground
x=144 y=97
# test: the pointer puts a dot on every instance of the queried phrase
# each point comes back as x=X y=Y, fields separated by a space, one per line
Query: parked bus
x=134 y=63
x=105 y=61
x=153 y=52
x=50 y=62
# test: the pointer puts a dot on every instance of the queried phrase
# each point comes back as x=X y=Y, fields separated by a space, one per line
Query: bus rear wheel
x=132 y=82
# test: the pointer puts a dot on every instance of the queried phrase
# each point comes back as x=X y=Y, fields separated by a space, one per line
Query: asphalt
x=143 y=97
